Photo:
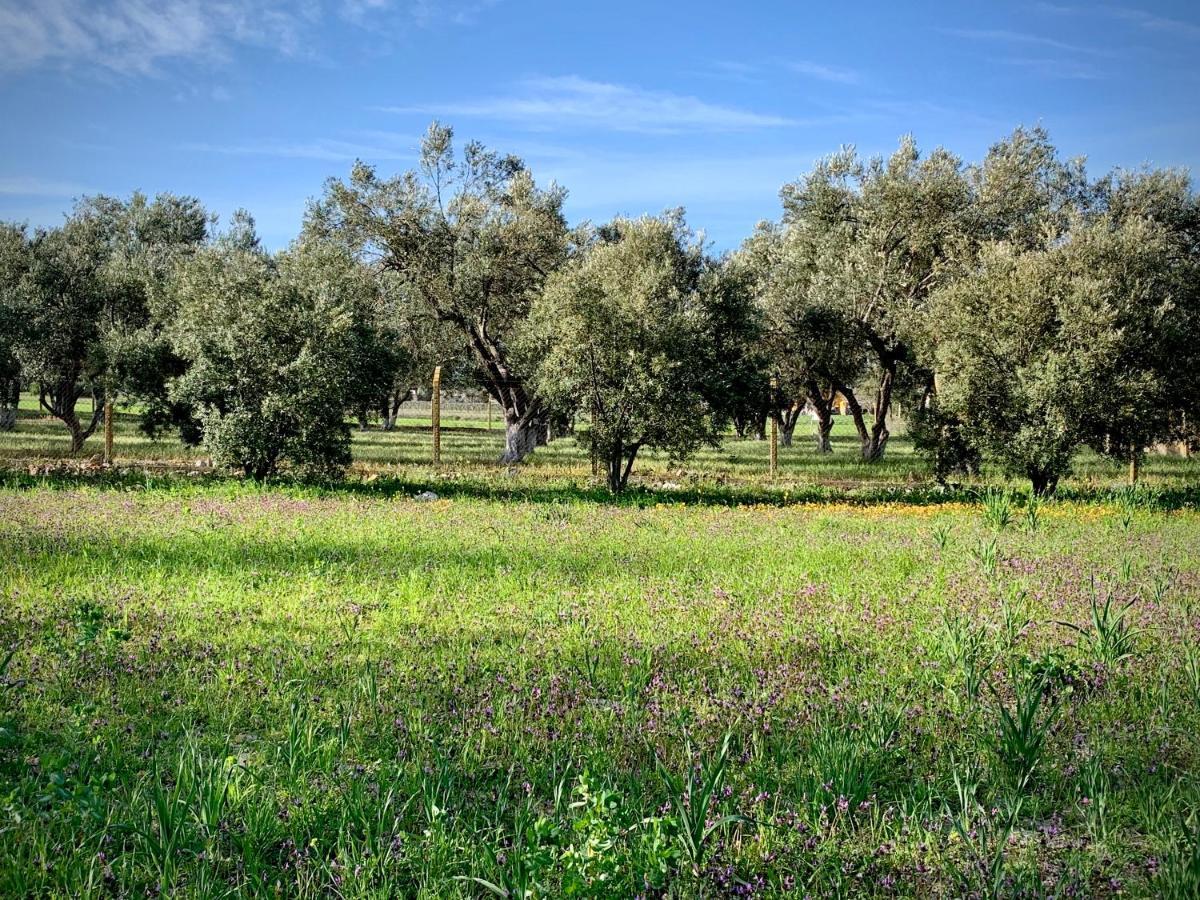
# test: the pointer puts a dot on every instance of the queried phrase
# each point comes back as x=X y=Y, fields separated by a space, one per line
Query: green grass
x=221 y=689
x=470 y=451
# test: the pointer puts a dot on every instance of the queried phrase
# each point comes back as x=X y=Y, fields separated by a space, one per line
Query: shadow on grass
x=506 y=488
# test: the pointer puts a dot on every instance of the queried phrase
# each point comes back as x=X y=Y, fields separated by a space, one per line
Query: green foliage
x=848 y=762
x=1032 y=516
x=811 y=347
x=84 y=291
x=1108 y=636
x=271 y=347
x=1179 y=876
x=623 y=329
x=695 y=798
x=984 y=833
x=1023 y=725
x=945 y=441
x=968 y=648
x=470 y=238
x=997 y=508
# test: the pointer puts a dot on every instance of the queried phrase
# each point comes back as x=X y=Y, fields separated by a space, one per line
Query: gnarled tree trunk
x=389 y=412
x=860 y=422
x=787 y=422
x=1044 y=483
x=522 y=434
x=60 y=400
x=873 y=449
x=620 y=464
x=524 y=414
x=822 y=403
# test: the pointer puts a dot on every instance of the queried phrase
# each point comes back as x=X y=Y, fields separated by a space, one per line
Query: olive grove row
x=1015 y=308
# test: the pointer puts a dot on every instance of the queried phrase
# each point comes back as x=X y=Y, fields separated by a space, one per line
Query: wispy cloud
x=134 y=36
x=571 y=101
x=836 y=74
x=1049 y=67
x=137 y=36
x=730 y=70
x=1055 y=8
x=30 y=186
x=758 y=72
x=1154 y=22
x=329 y=149
x=996 y=35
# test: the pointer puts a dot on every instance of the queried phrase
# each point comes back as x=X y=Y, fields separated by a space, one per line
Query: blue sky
x=632 y=106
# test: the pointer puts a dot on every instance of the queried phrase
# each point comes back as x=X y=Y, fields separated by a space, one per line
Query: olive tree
x=14 y=260
x=60 y=302
x=410 y=341
x=814 y=352
x=1045 y=349
x=622 y=332
x=270 y=345
x=474 y=239
x=1148 y=247
x=85 y=291
x=888 y=229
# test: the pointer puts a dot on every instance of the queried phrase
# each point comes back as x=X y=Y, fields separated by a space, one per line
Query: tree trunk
x=1135 y=466
x=60 y=401
x=390 y=411
x=787 y=422
x=524 y=416
x=10 y=400
x=860 y=422
x=619 y=465
x=823 y=405
x=824 y=429
x=875 y=442
x=522 y=435
x=873 y=450
x=786 y=431
x=1044 y=483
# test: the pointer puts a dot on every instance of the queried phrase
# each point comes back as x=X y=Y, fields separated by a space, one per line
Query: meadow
x=846 y=683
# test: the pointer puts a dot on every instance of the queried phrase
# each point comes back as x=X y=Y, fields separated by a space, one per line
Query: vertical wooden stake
x=108 y=429
x=436 y=403
x=774 y=431
x=489 y=406
x=592 y=442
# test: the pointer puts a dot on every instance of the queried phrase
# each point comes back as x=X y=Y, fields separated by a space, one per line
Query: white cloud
x=1017 y=37
x=28 y=186
x=136 y=36
x=548 y=103
x=822 y=72
x=319 y=148
x=1065 y=69
x=1152 y=22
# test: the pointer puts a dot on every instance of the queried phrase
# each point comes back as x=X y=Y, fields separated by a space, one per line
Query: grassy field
x=218 y=690
x=470 y=450
x=524 y=690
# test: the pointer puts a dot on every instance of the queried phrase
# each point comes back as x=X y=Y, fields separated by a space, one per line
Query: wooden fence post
x=436 y=407
x=774 y=431
x=108 y=429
